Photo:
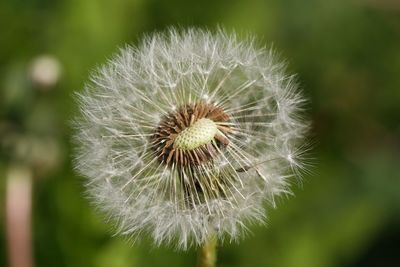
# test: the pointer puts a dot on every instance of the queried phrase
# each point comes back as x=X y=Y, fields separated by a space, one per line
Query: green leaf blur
x=346 y=53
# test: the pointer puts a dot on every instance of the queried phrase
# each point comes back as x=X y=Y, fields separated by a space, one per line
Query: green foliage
x=346 y=212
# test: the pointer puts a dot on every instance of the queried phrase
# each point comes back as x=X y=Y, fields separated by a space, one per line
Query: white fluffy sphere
x=188 y=134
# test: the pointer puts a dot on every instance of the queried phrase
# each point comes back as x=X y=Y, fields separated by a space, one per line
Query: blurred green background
x=347 y=57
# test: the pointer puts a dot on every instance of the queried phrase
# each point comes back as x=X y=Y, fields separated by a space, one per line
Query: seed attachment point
x=200 y=133
x=190 y=135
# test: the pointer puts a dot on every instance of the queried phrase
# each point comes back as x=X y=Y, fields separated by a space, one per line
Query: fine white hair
x=127 y=98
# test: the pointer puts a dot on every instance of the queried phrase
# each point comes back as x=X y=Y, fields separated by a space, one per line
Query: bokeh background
x=346 y=212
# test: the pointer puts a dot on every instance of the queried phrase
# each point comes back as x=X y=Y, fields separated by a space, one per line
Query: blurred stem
x=207 y=255
x=18 y=216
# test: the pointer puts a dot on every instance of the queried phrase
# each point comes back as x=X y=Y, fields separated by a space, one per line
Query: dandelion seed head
x=187 y=134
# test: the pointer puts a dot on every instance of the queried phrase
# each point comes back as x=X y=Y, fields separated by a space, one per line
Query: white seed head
x=188 y=134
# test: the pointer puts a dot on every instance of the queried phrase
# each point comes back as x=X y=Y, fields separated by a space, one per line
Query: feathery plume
x=188 y=134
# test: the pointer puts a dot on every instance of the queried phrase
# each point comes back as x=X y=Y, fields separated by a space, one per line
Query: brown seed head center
x=191 y=135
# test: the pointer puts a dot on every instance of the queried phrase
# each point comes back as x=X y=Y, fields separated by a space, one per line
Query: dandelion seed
x=189 y=134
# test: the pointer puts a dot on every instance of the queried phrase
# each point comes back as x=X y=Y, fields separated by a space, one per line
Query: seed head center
x=200 y=133
x=191 y=135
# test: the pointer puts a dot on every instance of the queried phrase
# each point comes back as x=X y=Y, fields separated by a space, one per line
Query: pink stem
x=18 y=213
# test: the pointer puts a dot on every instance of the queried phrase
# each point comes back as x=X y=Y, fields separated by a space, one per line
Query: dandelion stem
x=207 y=255
x=18 y=216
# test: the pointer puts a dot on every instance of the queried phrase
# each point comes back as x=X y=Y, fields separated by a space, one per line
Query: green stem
x=207 y=255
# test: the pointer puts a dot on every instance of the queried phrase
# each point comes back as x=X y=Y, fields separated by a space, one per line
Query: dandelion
x=187 y=135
